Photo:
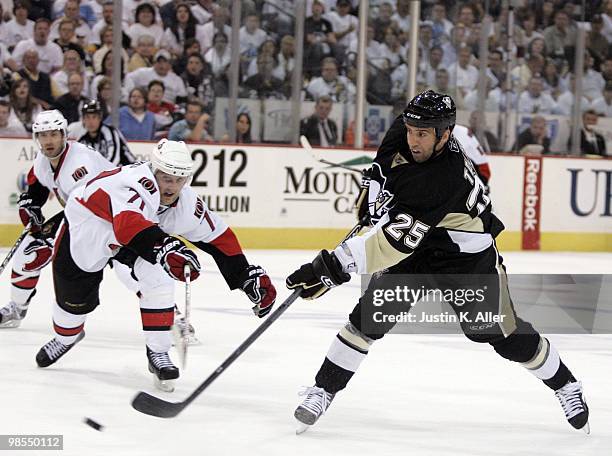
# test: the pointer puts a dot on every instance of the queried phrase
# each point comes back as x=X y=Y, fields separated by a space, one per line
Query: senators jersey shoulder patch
x=148 y=185
x=79 y=173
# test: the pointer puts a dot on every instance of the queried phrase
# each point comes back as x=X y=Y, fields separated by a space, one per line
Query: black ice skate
x=574 y=406
x=316 y=403
x=54 y=350
x=163 y=370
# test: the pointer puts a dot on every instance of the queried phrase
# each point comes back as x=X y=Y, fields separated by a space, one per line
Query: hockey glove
x=42 y=250
x=30 y=212
x=258 y=287
x=362 y=202
x=318 y=277
x=173 y=255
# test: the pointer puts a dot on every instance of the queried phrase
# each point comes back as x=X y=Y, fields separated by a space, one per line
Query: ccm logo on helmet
x=148 y=185
x=409 y=114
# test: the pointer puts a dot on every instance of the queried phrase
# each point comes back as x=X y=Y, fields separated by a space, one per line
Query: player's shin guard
x=157 y=314
x=67 y=326
x=345 y=354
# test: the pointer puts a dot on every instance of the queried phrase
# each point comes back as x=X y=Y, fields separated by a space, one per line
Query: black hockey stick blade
x=154 y=406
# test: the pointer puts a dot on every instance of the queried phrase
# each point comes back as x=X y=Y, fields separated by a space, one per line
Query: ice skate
x=310 y=410
x=182 y=331
x=574 y=405
x=54 y=350
x=12 y=314
x=163 y=370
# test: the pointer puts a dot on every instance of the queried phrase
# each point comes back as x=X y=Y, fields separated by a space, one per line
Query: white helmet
x=49 y=121
x=172 y=157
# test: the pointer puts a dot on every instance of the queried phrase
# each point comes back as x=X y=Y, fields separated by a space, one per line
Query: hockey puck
x=94 y=424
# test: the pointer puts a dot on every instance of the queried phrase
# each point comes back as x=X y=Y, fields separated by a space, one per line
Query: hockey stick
x=16 y=245
x=306 y=145
x=154 y=406
x=182 y=333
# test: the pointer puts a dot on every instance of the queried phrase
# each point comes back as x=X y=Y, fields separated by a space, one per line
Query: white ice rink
x=414 y=395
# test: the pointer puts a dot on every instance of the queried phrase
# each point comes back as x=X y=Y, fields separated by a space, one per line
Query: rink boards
x=281 y=197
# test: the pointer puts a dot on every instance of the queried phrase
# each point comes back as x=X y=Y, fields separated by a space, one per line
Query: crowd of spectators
x=176 y=57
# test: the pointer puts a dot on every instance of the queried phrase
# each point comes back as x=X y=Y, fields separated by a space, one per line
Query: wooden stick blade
x=154 y=406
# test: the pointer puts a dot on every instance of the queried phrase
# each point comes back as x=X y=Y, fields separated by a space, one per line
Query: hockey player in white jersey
x=118 y=211
x=474 y=151
x=59 y=167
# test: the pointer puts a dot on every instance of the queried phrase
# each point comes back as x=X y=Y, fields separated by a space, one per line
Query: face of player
x=51 y=143
x=169 y=187
x=421 y=142
x=92 y=122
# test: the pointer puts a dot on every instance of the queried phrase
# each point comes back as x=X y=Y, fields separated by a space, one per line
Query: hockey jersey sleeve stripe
x=37 y=191
x=227 y=243
x=128 y=224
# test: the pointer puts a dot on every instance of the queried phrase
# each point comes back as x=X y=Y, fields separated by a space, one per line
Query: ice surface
x=414 y=395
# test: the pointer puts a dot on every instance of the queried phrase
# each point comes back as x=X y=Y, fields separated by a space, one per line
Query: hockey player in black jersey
x=429 y=215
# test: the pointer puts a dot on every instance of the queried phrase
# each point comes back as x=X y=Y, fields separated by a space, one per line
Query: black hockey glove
x=258 y=287
x=362 y=202
x=318 y=277
x=30 y=212
x=174 y=255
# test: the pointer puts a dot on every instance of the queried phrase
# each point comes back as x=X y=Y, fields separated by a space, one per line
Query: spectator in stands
x=10 y=126
x=107 y=72
x=401 y=19
x=135 y=121
x=219 y=59
x=72 y=13
x=545 y=14
x=67 y=38
x=535 y=100
x=522 y=74
x=374 y=51
x=22 y=103
x=442 y=85
x=43 y=89
x=163 y=111
x=19 y=28
x=206 y=33
x=286 y=60
x=176 y=92
x=596 y=42
x=191 y=47
x=320 y=39
x=104 y=94
x=72 y=64
x=107 y=20
x=492 y=101
x=70 y=103
x=433 y=64
x=143 y=56
x=537 y=46
x=536 y=134
x=528 y=32
x=194 y=127
x=344 y=26
x=591 y=142
x=565 y=101
x=607 y=18
x=451 y=48
x=496 y=69
x=592 y=81
x=243 y=130
x=488 y=139
x=603 y=105
x=382 y=22
x=107 y=45
x=180 y=30
x=463 y=74
x=425 y=37
x=551 y=79
x=251 y=36
x=49 y=53
x=264 y=84
x=606 y=69
x=198 y=80
x=560 y=38
x=339 y=88
x=319 y=128
x=441 y=27
x=145 y=24
x=203 y=10
x=391 y=49
x=278 y=16
x=168 y=13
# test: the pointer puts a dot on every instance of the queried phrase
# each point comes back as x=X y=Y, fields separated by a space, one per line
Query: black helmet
x=431 y=109
x=91 y=107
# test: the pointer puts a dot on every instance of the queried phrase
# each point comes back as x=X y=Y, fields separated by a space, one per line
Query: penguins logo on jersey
x=379 y=199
